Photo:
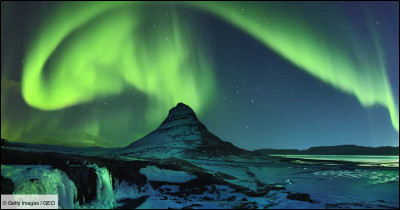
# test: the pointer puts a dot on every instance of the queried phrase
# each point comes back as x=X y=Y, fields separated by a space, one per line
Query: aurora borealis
x=106 y=73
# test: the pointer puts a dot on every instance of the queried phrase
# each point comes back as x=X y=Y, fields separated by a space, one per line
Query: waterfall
x=42 y=180
x=67 y=192
x=104 y=184
x=39 y=179
x=104 y=188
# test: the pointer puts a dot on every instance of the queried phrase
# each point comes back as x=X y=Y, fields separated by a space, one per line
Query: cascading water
x=104 y=189
x=105 y=198
x=104 y=184
x=42 y=180
x=39 y=179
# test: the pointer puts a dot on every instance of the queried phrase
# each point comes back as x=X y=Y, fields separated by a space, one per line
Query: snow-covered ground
x=153 y=173
x=327 y=186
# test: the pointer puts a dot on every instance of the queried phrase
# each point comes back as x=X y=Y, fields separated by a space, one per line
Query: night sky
x=259 y=74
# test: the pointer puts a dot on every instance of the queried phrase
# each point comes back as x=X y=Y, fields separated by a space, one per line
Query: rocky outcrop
x=83 y=177
x=300 y=197
x=7 y=186
x=4 y=143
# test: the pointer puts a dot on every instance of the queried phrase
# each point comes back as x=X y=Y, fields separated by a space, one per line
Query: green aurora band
x=92 y=50
x=104 y=48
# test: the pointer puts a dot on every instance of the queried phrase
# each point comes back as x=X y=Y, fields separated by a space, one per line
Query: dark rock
x=157 y=185
x=244 y=199
x=232 y=198
x=264 y=189
x=85 y=180
x=300 y=197
x=131 y=203
x=206 y=198
x=7 y=186
x=4 y=143
x=248 y=205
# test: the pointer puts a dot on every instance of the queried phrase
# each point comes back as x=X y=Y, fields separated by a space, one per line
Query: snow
x=325 y=184
x=347 y=158
x=124 y=190
x=240 y=174
x=110 y=200
x=153 y=173
x=175 y=135
x=42 y=180
x=330 y=186
x=353 y=186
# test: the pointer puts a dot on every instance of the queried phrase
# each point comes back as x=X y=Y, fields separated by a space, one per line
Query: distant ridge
x=333 y=150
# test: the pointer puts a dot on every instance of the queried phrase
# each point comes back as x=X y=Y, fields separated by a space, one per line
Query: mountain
x=334 y=150
x=181 y=134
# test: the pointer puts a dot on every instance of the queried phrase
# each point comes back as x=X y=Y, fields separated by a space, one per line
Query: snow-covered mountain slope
x=181 y=135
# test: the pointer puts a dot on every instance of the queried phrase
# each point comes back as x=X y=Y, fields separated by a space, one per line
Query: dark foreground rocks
x=300 y=197
x=4 y=143
x=85 y=178
x=132 y=203
x=7 y=186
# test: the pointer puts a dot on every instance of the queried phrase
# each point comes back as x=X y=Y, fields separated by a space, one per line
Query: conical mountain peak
x=180 y=109
x=181 y=114
x=181 y=134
